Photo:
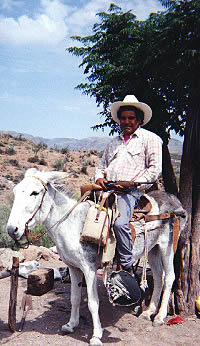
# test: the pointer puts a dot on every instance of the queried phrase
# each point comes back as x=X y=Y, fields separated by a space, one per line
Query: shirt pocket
x=137 y=154
x=136 y=148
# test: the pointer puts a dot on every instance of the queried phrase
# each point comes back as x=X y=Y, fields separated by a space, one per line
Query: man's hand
x=101 y=182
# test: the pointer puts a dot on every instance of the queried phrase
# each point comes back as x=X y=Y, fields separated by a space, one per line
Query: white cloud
x=55 y=21
x=86 y=16
x=47 y=27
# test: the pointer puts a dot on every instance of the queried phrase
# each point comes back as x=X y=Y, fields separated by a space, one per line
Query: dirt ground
x=52 y=310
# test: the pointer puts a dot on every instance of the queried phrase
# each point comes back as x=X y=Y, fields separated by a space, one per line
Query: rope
x=87 y=193
x=37 y=237
x=143 y=283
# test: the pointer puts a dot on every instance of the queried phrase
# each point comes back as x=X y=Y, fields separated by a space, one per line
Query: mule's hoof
x=95 y=341
x=66 y=328
x=157 y=323
x=144 y=316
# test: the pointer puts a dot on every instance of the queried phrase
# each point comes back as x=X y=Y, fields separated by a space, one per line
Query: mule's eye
x=34 y=193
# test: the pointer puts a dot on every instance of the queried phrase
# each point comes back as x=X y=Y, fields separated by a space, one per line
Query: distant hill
x=90 y=143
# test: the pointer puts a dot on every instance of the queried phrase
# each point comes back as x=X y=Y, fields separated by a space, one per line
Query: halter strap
x=42 y=182
x=26 y=230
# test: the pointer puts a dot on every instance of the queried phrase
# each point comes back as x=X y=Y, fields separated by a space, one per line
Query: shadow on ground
x=52 y=310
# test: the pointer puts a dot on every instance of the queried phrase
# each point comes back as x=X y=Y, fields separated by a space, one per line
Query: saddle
x=143 y=210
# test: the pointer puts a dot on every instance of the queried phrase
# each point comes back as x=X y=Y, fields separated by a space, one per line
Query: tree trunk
x=181 y=260
x=187 y=257
x=193 y=276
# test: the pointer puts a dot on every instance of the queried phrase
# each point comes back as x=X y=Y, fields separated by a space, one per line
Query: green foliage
x=10 y=150
x=39 y=147
x=9 y=177
x=33 y=159
x=18 y=178
x=5 y=239
x=157 y=60
x=65 y=151
x=42 y=162
x=14 y=163
x=59 y=165
x=45 y=240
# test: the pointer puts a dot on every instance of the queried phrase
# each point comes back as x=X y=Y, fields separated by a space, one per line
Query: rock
x=34 y=252
x=54 y=249
x=6 y=258
x=47 y=254
x=40 y=282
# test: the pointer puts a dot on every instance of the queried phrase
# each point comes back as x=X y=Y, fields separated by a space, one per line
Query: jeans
x=126 y=203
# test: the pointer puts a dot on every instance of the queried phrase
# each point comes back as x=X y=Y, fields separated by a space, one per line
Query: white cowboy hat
x=131 y=100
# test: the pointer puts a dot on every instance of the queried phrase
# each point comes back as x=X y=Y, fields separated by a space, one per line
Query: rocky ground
x=121 y=327
x=19 y=154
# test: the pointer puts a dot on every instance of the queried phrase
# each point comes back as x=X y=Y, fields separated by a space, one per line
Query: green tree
x=158 y=61
x=114 y=58
x=181 y=31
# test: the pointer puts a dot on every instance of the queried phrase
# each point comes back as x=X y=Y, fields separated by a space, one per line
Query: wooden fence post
x=13 y=295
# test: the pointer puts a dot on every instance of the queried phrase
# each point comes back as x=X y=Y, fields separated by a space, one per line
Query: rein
x=26 y=229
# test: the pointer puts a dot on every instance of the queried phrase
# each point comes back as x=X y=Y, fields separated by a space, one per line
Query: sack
x=97 y=225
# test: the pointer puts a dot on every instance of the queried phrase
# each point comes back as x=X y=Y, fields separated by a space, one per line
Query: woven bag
x=97 y=224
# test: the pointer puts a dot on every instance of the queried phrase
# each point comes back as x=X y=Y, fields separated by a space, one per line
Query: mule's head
x=32 y=202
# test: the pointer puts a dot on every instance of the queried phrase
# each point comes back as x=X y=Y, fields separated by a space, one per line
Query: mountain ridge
x=88 y=143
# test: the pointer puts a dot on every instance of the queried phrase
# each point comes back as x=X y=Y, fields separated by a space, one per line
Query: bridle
x=37 y=237
x=26 y=229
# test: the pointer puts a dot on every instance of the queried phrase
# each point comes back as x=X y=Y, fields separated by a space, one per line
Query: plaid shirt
x=139 y=160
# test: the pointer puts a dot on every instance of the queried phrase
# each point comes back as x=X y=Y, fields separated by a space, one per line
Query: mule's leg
x=93 y=305
x=76 y=276
x=167 y=260
x=154 y=259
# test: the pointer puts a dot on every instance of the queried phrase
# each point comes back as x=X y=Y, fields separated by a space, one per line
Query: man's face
x=129 y=122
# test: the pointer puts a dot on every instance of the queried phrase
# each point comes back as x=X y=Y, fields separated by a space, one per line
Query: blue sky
x=37 y=76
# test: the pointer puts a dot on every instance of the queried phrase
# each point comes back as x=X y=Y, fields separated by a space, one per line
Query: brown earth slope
x=18 y=154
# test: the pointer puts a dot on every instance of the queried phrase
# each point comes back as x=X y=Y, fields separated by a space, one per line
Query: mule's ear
x=54 y=176
x=31 y=171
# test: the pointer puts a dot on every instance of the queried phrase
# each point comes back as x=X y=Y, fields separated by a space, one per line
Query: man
x=135 y=155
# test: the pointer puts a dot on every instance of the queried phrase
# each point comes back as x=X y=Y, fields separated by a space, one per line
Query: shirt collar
x=136 y=133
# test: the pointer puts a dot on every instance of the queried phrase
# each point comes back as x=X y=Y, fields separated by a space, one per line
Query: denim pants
x=126 y=203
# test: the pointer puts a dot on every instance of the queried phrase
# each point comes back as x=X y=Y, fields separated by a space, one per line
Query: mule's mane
x=63 y=189
x=61 y=193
